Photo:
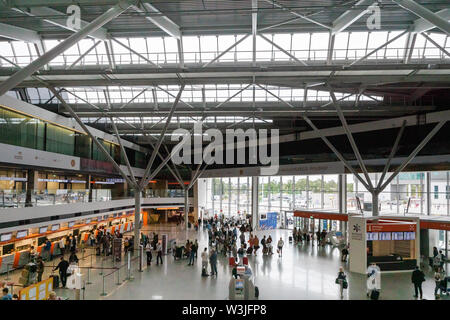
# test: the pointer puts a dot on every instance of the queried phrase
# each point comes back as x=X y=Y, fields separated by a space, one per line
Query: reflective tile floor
x=304 y=272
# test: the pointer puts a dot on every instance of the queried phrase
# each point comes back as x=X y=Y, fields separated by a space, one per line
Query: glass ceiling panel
x=201 y=49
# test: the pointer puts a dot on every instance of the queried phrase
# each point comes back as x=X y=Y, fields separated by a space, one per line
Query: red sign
x=321 y=215
x=435 y=225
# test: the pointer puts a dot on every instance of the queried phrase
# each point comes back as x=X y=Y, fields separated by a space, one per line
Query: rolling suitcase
x=55 y=281
x=374 y=295
x=290 y=239
x=231 y=261
x=245 y=261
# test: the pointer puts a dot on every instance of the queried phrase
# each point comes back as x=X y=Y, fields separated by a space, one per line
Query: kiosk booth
x=392 y=243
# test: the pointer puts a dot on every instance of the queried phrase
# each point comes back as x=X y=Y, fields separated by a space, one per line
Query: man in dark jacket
x=62 y=266
x=417 y=278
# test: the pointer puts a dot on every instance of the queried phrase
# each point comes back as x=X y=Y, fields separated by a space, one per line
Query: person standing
x=204 y=257
x=159 y=254
x=280 y=247
x=40 y=269
x=6 y=295
x=62 y=266
x=417 y=278
x=342 y=281
x=213 y=262
x=148 y=252
x=47 y=249
x=191 y=256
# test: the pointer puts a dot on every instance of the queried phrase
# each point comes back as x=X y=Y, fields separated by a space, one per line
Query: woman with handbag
x=341 y=280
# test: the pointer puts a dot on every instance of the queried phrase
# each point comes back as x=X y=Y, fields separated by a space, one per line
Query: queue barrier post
x=103 y=286
x=101 y=267
x=141 y=258
x=88 y=276
x=118 y=276
x=129 y=265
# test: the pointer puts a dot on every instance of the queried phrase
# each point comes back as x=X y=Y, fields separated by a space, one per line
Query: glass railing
x=47 y=197
x=163 y=193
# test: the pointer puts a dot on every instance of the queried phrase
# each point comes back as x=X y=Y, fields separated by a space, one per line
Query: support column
x=255 y=215
x=89 y=187
x=428 y=193
x=375 y=211
x=186 y=208
x=137 y=218
x=32 y=181
x=342 y=200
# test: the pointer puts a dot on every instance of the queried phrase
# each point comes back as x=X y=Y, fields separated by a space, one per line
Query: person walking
x=439 y=276
x=342 y=281
x=417 y=278
x=148 y=252
x=213 y=262
x=159 y=255
x=62 y=266
x=280 y=247
x=344 y=253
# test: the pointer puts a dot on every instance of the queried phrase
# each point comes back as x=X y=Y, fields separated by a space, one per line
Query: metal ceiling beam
x=422 y=25
x=426 y=14
x=17 y=33
x=283 y=50
x=162 y=22
x=22 y=74
x=59 y=19
x=144 y=180
x=254 y=29
x=350 y=16
x=276 y=4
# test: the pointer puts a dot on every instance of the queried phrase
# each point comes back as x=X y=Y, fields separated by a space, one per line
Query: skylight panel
x=226 y=41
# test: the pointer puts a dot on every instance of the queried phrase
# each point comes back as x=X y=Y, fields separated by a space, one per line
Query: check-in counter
x=21 y=258
x=7 y=262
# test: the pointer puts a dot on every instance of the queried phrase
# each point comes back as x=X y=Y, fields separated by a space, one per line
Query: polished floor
x=304 y=272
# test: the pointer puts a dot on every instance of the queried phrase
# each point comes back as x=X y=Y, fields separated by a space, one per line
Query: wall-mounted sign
x=55 y=227
x=21 y=234
x=43 y=229
x=13 y=179
x=71 y=224
x=5 y=236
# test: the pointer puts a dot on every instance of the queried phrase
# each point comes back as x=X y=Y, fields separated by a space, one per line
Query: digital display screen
x=55 y=227
x=409 y=235
x=397 y=235
x=385 y=236
x=43 y=229
x=88 y=221
x=71 y=224
x=21 y=234
x=5 y=237
x=372 y=236
x=105 y=217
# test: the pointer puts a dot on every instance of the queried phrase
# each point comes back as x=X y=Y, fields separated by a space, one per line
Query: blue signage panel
x=270 y=222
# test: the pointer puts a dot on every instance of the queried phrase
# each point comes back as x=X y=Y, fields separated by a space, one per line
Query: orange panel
x=16 y=260
x=52 y=247
x=39 y=249
x=112 y=229
x=144 y=218
x=0 y=262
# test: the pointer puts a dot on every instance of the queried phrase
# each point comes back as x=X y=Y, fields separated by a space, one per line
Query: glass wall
x=230 y=196
x=21 y=130
x=405 y=194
